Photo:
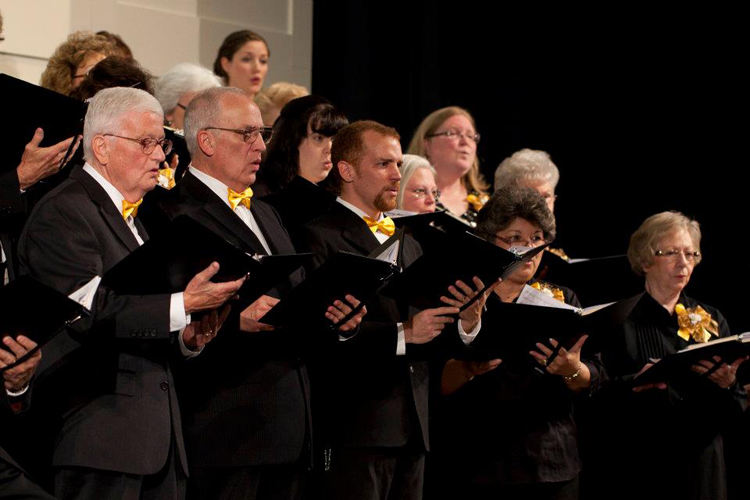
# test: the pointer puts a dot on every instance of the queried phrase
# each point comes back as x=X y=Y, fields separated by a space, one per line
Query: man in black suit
x=247 y=423
x=119 y=433
x=376 y=384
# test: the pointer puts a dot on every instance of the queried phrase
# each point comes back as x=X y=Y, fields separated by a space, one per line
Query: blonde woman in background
x=271 y=99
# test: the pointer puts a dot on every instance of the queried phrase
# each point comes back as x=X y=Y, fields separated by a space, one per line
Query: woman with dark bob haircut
x=298 y=158
x=505 y=429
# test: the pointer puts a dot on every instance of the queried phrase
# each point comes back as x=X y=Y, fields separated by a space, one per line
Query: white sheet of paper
x=534 y=297
x=390 y=254
x=85 y=294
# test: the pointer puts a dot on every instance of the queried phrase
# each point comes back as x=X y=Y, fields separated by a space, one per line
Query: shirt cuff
x=178 y=320
x=185 y=350
x=401 y=341
x=17 y=394
x=468 y=338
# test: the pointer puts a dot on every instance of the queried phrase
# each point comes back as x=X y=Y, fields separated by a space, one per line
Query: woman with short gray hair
x=530 y=168
x=177 y=87
x=417 y=191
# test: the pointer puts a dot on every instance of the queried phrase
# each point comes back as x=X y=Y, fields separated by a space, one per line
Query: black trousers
x=15 y=484
x=267 y=482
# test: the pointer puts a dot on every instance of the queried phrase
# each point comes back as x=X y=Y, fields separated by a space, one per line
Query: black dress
x=508 y=433
x=658 y=443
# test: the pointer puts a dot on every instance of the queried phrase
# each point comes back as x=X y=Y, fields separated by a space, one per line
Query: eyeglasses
x=250 y=134
x=420 y=193
x=148 y=145
x=182 y=106
x=673 y=255
x=517 y=241
x=456 y=134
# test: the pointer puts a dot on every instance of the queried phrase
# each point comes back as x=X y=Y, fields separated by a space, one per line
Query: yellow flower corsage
x=550 y=290
x=559 y=252
x=166 y=178
x=477 y=201
x=695 y=323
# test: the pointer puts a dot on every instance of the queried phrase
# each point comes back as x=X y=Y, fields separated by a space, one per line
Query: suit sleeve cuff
x=17 y=394
x=468 y=338
x=178 y=320
x=401 y=340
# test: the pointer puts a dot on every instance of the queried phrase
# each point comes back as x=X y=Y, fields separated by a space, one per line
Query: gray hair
x=182 y=78
x=525 y=165
x=510 y=203
x=410 y=165
x=107 y=108
x=645 y=239
x=203 y=111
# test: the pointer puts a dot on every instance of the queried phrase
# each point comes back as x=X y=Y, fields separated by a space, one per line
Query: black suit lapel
x=109 y=212
x=354 y=229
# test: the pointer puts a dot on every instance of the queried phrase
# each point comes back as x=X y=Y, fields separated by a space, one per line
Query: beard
x=384 y=204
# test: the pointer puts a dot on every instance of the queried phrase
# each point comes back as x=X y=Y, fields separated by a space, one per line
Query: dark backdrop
x=642 y=112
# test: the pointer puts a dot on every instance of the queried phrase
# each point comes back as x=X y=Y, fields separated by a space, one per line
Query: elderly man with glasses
x=119 y=432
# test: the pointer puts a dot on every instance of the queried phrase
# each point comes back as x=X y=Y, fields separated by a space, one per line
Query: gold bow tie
x=236 y=198
x=130 y=209
x=385 y=226
x=168 y=174
x=696 y=323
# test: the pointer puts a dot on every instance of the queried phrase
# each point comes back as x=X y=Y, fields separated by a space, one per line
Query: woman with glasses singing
x=448 y=139
x=505 y=430
x=417 y=191
x=663 y=440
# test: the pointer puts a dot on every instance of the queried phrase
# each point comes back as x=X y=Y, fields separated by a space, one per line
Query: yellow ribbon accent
x=130 y=209
x=236 y=198
x=168 y=174
x=695 y=323
x=559 y=252
x=385 y=226
x=550 y=290
x=477 y=201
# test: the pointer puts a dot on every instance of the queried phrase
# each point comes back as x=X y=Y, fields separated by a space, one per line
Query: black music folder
x=441 y=219
x=509 y=330
x=60 y=116
x=167 y=262
x=344 y=273
x=30 y=308
x=448 y=258
x=677 y=365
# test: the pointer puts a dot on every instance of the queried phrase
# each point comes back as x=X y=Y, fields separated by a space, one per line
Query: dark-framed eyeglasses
x=420 y=193
x=148 y=144
x=457 y=134
x=250 y=134
x=690 y=255
x=182 y=106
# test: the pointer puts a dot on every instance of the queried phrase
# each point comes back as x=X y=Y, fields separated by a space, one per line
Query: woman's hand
x=566 y=363
x=458 y=373
x=725 y=376
x=463 y=293
x=652 y=385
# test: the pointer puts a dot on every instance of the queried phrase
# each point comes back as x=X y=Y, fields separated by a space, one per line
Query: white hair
x=182 y=78
x=525 y=165
x=410 y=165
x=107 y=108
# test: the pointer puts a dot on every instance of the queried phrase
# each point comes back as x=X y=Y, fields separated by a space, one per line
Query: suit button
x=133 y=334
x=164 y=386
x=411 y=368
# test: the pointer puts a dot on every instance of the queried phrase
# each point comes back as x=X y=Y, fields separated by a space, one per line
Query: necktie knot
x=243 y=197
x=385 y=226
x=130 y=209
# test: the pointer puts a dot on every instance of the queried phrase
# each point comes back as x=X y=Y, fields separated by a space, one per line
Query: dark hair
x=114 y=71
x=281 y=161
x=231 y=44
x=121 y=48
x=510 y=203
x=348 y=147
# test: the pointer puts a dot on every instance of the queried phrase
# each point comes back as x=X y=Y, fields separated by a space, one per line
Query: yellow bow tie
x=129 y=209
x=236 y=198
x=168 y=174
x=385 y=226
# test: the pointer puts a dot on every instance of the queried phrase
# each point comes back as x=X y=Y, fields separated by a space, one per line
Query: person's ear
x=101 y=150
x=346 y=171
x=206 y=143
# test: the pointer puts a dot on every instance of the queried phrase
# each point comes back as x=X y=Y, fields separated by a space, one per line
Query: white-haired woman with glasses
x=177 y=87
x=417 y=191
x=530 y=168
x=664 y=440
x=448 y=138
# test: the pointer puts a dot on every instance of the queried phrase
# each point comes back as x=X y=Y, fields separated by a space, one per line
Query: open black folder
x=677 y=365
x=510 y=331
x=441 y=219
x=448 y=258
x=342 y=274
x=167 y=262
x=34 y=310
x=60 y=116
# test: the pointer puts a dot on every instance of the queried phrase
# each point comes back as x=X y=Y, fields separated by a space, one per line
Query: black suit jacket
x=248 y=397
x=12 y=217
x=374 y=398
x=108 y=380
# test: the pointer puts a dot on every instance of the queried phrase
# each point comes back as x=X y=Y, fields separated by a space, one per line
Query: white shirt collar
x=112 y=191
x=356 y=210
x=219 y=188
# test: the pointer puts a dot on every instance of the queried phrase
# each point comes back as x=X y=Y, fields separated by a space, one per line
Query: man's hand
x=255 y=311
x=463 y=293
x=725 y=376
x=426 y=325
x=202 y=294
x=339 y=310
x=38 y=163
x=200 y=332
x=18 y=377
